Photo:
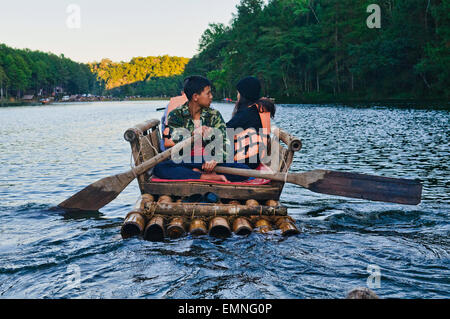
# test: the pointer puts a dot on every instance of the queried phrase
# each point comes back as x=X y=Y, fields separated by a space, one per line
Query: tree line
x=324 y=49
x=152 y=87
x=34 y=72
x=38 y=73
x=140 y=70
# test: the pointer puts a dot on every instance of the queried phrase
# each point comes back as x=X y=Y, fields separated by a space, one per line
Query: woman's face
x=238 y=96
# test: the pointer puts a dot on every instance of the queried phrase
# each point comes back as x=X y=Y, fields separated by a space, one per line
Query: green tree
x=3 y=82
x=18 y=73
x=31 y=71
x=323 y=48
x=137 y=70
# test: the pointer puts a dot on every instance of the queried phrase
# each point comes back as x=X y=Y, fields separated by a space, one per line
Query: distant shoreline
x=430 y=104
x=36 y=103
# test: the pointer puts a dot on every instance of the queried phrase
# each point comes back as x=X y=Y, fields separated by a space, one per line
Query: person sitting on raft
x=252 y=115
x=197 y=116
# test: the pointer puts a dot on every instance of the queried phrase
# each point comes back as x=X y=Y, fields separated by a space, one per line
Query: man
x=198 y=117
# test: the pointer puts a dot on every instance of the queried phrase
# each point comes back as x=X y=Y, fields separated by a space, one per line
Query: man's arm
x=168 y=143
x=174 y=121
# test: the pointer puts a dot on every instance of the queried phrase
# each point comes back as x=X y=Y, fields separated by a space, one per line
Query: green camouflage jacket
x=181 y=118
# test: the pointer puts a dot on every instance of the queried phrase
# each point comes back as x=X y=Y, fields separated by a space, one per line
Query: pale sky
x=118 y=30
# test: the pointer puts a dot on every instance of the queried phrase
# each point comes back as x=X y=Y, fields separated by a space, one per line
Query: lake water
x=48 y=153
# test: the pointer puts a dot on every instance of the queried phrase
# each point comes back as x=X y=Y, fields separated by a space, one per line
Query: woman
x=252 y=115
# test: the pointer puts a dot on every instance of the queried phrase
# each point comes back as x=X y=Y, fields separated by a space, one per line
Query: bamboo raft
x=162 y=211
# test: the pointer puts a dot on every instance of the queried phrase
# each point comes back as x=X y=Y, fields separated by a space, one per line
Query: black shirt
x=246 y=118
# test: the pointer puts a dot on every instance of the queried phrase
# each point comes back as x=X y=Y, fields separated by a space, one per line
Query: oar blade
x=98 y=194
x=374 y=188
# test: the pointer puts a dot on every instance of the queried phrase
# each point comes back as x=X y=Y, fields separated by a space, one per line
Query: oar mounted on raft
x=104 y=191
x=353 y=185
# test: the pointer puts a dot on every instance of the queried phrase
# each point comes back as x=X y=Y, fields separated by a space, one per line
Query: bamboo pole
x=154 y=231
x=263 y=226
x=199 y=209
x=133 y=133
x=293 y=143
x=134 y=225
x=197 y=227
x=287 y=226
x=135 y=220
x=176 y=228
x=219 y=227
x=242 y=227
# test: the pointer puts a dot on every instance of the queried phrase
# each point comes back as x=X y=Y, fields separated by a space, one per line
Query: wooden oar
x=374 y=188
x=102 y=192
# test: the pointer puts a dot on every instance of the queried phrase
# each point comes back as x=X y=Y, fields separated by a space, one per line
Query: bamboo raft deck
x=162 y=211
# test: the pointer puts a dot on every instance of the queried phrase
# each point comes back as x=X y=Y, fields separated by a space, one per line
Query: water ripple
x=47 y=161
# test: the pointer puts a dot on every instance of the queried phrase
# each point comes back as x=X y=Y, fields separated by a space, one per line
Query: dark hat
x=250 y=88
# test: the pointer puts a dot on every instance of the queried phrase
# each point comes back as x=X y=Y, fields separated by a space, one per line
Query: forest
x=152 y=87
x=33 y=72
x=42 y=74
x=301 y=50
x=38 y=73
x=313 y=50
x=139 y=69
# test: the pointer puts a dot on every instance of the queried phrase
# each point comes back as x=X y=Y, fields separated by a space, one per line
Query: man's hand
x=168 y=143
x=209 y=166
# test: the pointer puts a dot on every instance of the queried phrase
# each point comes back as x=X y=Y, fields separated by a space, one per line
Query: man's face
x=205 y=98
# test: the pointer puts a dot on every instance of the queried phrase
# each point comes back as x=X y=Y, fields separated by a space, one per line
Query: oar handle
x=280 y=177
x=161 y=157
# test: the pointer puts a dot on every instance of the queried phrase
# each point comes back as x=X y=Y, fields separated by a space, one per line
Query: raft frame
x=245 y=207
